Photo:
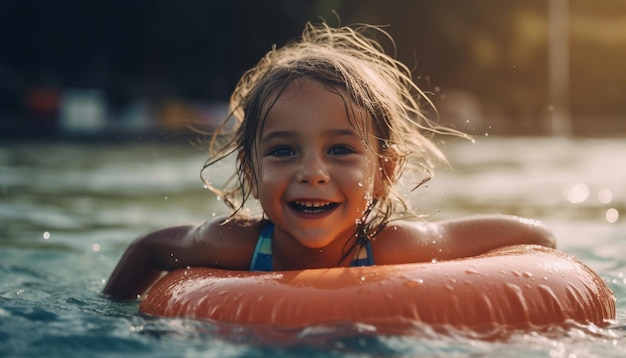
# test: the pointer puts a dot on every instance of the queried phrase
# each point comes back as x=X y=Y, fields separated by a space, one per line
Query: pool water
x=69 y=210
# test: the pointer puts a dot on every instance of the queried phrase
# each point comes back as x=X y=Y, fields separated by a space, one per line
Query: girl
x=324 y=129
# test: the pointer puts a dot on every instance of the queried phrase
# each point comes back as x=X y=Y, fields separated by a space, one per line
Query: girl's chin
x=314 y=243
x=321 y=240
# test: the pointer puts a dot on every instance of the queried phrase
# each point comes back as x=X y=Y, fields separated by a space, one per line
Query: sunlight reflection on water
x=68 y=211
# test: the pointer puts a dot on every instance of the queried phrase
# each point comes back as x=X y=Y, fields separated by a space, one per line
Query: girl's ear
x=386 y=172
x=248 y=175
x=253 y=188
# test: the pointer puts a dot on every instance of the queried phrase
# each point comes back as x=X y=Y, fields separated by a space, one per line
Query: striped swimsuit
x=262 y=257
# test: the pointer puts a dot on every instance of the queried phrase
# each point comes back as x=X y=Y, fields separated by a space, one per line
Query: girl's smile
x=315 y=173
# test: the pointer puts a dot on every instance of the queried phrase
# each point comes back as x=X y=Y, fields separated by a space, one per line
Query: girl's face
x=315 y=175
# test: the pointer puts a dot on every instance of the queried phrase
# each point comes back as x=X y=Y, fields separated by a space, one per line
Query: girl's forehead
x=297 y=93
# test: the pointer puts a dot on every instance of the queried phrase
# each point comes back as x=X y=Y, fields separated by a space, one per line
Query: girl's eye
x=281 y=152
x=340 y=150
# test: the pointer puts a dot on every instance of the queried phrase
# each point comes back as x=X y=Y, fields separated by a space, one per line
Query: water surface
x=69 y=210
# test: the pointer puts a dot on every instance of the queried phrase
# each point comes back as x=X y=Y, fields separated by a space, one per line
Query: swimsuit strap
x=365 y=257
x=262 y=256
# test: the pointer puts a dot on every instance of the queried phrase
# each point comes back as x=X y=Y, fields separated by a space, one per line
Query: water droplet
x=95 y=247
x=605 y=196
x=361 y=184
x=612 y=215
x=46 y=235
x=166 y=198
x=362 y=278
x=434 y=260
x=577 y=193
x=414 y=283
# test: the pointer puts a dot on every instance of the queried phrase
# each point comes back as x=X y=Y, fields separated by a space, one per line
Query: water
x=68 y=211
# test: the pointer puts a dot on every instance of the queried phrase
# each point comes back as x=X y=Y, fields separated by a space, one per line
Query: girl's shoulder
x=404 y=242
x=230 y=240
x=233 y=228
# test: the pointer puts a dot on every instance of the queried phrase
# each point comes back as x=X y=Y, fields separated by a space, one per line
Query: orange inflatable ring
x=514 y=287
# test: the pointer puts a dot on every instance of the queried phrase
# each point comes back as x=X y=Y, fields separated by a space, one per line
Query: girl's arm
x=212 y=244
x=406 y=242
x=476 y=235
x=145 y=260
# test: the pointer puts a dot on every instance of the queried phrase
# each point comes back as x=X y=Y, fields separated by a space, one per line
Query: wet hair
x=375 y=87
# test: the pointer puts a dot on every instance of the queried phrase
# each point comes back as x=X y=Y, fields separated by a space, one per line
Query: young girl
x=325 y=127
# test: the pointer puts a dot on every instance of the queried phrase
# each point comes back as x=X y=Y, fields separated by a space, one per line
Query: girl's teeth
x=312 y=205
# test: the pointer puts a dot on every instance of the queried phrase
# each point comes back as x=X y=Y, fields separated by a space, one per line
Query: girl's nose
x=312 y=172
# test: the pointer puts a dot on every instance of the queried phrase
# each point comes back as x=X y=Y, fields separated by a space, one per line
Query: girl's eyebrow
x=277 y=134
x=340 y=132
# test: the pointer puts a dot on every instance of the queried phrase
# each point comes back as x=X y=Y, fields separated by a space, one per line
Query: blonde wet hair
x=352 y=63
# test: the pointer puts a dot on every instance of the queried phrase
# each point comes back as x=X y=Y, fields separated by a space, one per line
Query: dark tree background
x=495 y=52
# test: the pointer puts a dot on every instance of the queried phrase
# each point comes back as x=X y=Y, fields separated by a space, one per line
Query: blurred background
x=95 y=101
x=121 y=69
